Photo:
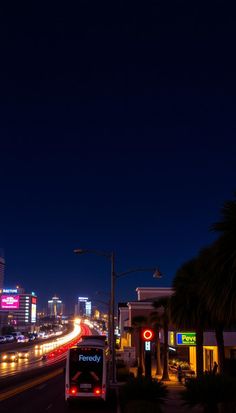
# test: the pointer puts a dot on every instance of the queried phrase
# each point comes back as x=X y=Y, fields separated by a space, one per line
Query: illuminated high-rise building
x=55 y=307
x=18 y=308
x=84 y=307
x=88 y=308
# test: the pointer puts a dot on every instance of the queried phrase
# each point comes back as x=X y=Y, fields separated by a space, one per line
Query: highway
x=54 y=349
x=35 y=386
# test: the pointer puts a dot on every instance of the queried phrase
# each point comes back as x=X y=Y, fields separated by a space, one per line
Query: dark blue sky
x=117 y=133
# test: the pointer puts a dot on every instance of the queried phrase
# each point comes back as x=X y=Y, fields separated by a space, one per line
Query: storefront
x=210 y=349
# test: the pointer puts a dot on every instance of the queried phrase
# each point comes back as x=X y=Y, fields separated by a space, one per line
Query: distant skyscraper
x=2 y=268
x=55 y=307
x=88 y=308
x=83 y=308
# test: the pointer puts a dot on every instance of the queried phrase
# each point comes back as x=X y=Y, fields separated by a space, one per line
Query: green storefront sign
x=186 y=339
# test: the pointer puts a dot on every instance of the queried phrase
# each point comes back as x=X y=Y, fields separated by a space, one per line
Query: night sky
x=117 y=133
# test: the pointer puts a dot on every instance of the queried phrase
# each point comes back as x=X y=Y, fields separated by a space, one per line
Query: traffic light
x=147 y=334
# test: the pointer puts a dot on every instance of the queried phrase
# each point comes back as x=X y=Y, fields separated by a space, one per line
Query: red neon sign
x=147 y=335
x=10 y=301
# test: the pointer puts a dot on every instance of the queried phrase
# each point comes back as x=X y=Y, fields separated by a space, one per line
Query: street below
x=49 y=397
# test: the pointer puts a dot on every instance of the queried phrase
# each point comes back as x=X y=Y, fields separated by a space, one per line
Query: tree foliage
x=209 y=390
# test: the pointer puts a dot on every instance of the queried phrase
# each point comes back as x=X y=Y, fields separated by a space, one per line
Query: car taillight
x=73 y=390
x=97 y=391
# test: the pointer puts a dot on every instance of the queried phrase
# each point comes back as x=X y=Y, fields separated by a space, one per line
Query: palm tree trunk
x=199 y=350
x=140 y=357
x=158 y=355
x=221 y=348
x=165 y=375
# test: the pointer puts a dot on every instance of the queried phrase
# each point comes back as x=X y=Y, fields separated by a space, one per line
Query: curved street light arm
x=81 y=251
x=156 y=272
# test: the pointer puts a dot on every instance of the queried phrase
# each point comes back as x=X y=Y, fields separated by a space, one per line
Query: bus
x=86 y=369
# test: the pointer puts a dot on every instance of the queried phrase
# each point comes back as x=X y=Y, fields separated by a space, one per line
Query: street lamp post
x=114 y=276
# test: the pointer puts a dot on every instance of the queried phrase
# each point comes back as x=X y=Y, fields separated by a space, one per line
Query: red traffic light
x=147 y=334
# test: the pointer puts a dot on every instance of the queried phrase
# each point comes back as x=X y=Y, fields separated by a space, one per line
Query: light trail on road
x=55 y=351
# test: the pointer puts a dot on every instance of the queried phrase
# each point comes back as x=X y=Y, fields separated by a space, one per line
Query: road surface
x=48 y=396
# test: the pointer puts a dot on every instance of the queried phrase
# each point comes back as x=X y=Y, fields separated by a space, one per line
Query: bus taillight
x=73 y=390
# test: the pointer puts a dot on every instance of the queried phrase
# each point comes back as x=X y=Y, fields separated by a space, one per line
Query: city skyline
x=13 y=290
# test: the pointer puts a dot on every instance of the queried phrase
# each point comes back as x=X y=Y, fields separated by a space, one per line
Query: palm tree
x=227 y=225
x=211 y=286
x=209 y=282
x=219 y=263
x=138 y=323
x=155 y=320
x=164 y=304
x=199 y=282
x=187 y=307
x=225 y=263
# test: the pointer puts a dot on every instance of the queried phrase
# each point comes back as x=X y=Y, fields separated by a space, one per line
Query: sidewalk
x=173 y=403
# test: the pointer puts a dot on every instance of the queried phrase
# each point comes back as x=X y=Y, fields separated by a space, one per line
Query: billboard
x=10 y=302
x=34 y=300
x=33 y=313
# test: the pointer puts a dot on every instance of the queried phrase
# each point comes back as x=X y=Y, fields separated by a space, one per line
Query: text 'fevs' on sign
x=186 y=339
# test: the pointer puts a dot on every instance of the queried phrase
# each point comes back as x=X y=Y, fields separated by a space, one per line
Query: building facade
x=181 y=343
x=18 y=309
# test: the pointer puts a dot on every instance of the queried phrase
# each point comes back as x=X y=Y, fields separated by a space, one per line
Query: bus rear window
x=86 y=366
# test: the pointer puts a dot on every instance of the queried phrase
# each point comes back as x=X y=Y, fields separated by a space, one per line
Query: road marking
x=41 y=387
x=28 y=385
